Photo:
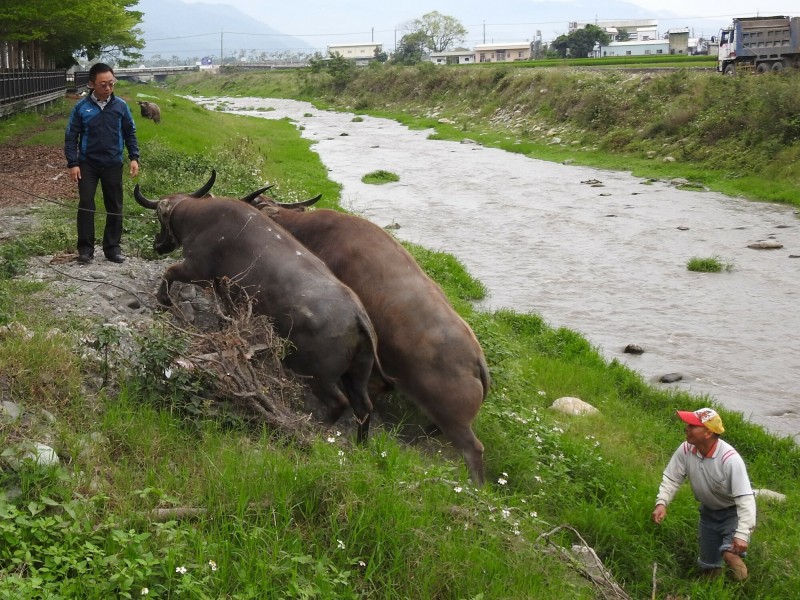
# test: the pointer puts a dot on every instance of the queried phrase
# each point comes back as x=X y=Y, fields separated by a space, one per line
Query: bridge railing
x=24 y=88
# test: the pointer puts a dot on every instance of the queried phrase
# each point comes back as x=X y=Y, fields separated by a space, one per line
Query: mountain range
x=175 y=28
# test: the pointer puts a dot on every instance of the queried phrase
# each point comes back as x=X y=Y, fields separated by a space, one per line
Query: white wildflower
x=502 y=481
x=458 y=489
x=144 y=592
x=181 y=570
x=340 y=544
x=213 y=565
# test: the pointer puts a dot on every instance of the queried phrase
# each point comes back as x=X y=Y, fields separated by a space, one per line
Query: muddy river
x=600 y=252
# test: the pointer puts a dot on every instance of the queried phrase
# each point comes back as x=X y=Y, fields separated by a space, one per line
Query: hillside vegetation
x=250 y=512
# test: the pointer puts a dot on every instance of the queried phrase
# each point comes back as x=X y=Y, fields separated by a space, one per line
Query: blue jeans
x=715 y=535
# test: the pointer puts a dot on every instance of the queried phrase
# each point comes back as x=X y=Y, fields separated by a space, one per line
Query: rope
x=37 y=196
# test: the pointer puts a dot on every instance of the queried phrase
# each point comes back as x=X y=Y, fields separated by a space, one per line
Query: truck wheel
x=730 y=69
x=762 y=67
x=777 y=66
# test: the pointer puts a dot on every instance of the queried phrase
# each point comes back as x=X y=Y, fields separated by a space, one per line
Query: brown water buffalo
x=429 y=352
x=150 y=110
x=331 y=335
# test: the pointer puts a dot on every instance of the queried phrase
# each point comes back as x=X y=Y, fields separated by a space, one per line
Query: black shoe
x=85 y=259
x=116 y=258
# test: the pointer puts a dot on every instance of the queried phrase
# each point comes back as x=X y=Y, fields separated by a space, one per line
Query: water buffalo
x=331 y=335
x=424 y=346
x=150 y=110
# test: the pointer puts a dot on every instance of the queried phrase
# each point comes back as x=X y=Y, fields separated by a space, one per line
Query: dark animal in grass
x=150 y=110
x=223 y=240
x=424 y=346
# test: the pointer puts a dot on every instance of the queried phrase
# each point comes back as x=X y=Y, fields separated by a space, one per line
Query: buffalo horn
x=205 y=189
x=142 y=200
x=308 y=202
x=251 y=197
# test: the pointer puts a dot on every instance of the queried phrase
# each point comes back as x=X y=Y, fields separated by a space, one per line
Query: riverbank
x=736 y=135
x=338 y=521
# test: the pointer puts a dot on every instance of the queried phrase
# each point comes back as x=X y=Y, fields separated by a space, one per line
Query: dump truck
x=759 y=44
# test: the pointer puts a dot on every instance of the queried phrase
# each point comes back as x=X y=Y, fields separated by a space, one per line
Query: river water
x=606 y=260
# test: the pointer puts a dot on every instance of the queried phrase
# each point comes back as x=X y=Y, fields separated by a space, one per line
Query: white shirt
x=100 y=103
x=718 y=481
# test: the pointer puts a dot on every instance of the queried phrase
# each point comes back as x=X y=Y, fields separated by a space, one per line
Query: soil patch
x=32 y=175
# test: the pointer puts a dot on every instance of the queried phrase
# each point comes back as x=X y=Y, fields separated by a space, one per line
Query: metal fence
x=24 y=88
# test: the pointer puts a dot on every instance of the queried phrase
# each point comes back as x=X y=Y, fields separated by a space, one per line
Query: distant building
x=457 y=57
x=506 y=52
x=633 y=48
x=678 y=40
x=636 y=29
x=359 y=52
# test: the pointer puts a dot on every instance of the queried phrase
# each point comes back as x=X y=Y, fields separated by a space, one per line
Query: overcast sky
x=323 y=22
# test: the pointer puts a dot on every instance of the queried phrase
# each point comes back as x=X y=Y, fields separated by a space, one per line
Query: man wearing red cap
x=719 y=480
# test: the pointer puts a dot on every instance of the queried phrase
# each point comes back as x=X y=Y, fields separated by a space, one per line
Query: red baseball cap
x=704 y=417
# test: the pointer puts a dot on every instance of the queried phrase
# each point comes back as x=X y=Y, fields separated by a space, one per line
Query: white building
x=456 y=57
x=637 y=29
x=506 y=52
x=360 y=52
x=633 y=48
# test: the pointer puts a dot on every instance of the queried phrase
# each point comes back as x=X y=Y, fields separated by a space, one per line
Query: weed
x=711 y=264
x=380 y=177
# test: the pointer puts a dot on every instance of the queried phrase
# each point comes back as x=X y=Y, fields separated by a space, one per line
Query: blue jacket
x=98 y=135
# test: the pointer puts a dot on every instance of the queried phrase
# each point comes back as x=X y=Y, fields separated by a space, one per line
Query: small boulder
x=573 y=406
x=765 y=245
x=633 y=349
x=671 y=378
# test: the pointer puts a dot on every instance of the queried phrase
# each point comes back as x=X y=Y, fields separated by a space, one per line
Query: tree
x=410 y=49
x=579 y=43
x=438 y=31
x=623 y=35
x=65 y=31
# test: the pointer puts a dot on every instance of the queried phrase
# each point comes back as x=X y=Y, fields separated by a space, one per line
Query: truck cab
x=726 y=61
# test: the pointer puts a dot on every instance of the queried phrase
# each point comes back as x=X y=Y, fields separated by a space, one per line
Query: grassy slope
x=291 y=522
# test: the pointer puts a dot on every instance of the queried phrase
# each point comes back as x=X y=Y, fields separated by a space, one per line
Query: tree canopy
x=437 y=30
x=579 y=43
x=89 y=29
x=410 y=49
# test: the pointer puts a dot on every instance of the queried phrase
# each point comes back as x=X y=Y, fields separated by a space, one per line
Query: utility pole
x=221 y=33
x=484 y=32
x=372 y=39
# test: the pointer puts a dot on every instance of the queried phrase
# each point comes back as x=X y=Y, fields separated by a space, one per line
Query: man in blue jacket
x=99 y=128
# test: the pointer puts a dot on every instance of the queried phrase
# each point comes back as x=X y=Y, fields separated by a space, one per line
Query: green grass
x=387 y=520
x=710 y=264
x=380 y=177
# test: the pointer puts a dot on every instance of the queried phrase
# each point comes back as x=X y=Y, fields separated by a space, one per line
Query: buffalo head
x=165 y=241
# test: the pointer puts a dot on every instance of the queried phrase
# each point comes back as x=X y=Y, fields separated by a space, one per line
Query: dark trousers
x=110 y=179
